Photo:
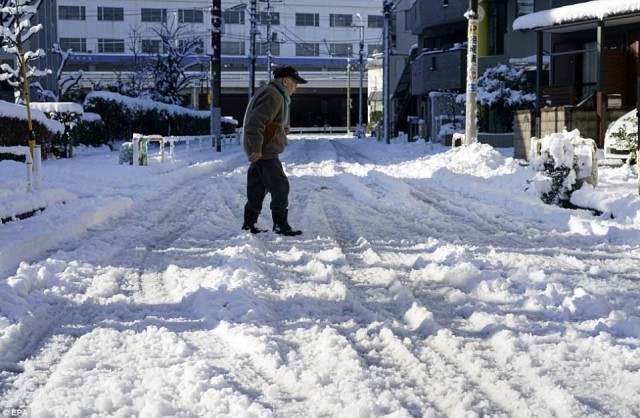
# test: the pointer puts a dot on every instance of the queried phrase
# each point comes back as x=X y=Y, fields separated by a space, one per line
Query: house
x=594 y=59
x=439 y=67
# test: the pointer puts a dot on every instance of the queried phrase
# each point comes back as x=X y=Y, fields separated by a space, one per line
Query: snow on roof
x=592 y=10
x=20 y=112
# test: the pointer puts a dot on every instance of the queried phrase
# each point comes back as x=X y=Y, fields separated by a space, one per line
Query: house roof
x=581 y=16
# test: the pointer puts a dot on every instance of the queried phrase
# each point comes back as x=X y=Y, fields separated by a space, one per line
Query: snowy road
x=415 y=290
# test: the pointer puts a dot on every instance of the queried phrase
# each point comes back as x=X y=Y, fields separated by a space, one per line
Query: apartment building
x=439 y=64
x=319 y=39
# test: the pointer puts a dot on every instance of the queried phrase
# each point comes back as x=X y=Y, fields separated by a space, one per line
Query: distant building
x=316 y=38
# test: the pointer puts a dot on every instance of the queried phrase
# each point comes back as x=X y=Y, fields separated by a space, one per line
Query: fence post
x=37 y=165
x=136 y=152
x=29 y=163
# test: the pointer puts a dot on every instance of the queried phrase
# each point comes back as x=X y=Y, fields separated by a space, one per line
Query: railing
x=34 y=165
x=320 y=130
x=139 y=144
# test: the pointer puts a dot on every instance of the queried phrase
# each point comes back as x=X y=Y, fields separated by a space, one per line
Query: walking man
x=264 y=137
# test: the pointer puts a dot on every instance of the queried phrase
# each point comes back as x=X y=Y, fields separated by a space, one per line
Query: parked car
x=621 y=136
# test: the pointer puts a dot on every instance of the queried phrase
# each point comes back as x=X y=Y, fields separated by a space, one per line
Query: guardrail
x=319 y=130
x=139 y=144
x=34 y=164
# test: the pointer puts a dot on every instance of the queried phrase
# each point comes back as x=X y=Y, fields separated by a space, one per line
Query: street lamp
x=360 y=130
x=348 y=96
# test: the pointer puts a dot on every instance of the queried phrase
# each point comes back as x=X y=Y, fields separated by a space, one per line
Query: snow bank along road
x=414 y=291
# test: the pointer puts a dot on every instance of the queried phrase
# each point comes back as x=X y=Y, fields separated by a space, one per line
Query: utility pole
x=360 y=130
x=216 y=85
x=471 y=130
x=252 y=48
x=270 y=36
x=348 y=96
x=386 y=80
x=269 y=40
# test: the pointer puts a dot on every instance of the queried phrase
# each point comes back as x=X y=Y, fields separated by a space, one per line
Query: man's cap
x=288 y=71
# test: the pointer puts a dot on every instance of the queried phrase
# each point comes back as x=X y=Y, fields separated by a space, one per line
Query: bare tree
x=169 y=71
x=15 y=31
x=65 y=81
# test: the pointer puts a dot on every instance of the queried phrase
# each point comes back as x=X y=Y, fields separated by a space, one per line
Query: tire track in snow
x=483 y=228
x=150 y=228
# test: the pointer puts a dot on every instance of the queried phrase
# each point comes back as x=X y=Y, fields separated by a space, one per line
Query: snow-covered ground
x=428 y=282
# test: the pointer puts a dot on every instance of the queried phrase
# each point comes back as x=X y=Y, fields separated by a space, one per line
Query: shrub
x=18 y=133
x=124 y=116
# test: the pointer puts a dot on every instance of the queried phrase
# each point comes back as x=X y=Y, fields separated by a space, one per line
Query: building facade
x=439 y=64
x=107 y=37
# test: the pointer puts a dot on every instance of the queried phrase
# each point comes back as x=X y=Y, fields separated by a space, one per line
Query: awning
x=581 y=16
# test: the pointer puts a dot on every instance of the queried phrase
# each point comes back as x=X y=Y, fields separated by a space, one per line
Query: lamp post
x=216 y=111
x=359 y=130
x=348 y=96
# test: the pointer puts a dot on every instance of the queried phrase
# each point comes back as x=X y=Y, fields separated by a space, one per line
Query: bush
x=93 y=133
x=124 y=116
x=15 y=131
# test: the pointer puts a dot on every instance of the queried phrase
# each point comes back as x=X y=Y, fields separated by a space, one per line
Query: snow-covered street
x=428 y=282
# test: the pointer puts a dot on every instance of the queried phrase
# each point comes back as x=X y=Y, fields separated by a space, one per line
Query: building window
x=307 y=19
x=308 y=50
x=232 y=48
x=589 y=69
x=263 y=18
x=154 y=15
x=433 y=66
x=75 y=44
x=340 y=21
x=114 y=46
x=262 y=49
x=375 y=21
x=233 y=17
x=151 y=46
x=340 y=50
x=524 y=7
x=407 y=21
x=72 y=13
x=374 y=49
x=190 y=16
x=111 y=14
x=497 y=27
x=197 y=46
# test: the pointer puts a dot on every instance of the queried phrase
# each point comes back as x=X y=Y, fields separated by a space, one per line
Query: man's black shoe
x=253 y=229
x=286 y=230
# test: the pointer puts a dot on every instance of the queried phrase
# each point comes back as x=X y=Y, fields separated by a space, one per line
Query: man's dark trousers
x=266 y=176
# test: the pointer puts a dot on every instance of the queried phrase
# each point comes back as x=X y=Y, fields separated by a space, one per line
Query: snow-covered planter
x=562 y=163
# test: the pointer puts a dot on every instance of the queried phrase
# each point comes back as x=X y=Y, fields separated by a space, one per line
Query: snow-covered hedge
x=14 y=128
x=124 y=115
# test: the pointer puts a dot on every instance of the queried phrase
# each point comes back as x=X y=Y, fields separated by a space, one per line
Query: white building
x=316 y=38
